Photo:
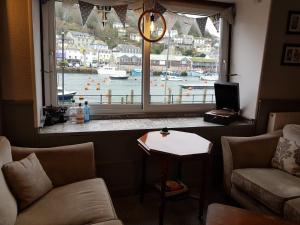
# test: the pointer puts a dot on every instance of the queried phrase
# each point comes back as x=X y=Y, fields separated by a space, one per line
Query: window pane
x=100 y=62
x=184 y=67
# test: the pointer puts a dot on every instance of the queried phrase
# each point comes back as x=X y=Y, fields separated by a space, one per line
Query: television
x=227 y=96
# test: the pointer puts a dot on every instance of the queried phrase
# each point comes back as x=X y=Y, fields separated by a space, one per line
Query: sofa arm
x=65 y=164
x=247 y=152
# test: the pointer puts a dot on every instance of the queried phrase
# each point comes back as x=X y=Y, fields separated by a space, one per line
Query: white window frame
x=50 y=77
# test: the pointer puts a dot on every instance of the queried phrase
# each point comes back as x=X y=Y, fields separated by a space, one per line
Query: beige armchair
x=252 y=182
x=78 y=197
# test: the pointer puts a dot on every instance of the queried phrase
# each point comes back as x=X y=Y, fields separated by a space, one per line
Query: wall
x=119 y=159
x=248 y=41
x=16 y=63
x=17 y=71
x=277 y=81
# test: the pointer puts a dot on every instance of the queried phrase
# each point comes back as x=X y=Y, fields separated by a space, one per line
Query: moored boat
x=112 y=72
x=167 y=75
x=67 y=96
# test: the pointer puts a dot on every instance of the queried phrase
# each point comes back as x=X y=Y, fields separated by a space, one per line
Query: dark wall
x=119 y=159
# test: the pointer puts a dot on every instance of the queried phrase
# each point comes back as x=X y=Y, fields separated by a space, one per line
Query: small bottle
x=80 y=114
x=73 y=112
x=87 y=111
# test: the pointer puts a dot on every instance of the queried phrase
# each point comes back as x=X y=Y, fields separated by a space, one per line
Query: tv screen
x=227 y=96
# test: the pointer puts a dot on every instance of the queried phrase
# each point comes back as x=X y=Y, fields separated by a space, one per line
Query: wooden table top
x=175 y=143
x=219 y=214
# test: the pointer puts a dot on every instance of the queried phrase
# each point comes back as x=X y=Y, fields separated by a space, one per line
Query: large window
x=98 y=62
x=184 y=65
x=108 y=64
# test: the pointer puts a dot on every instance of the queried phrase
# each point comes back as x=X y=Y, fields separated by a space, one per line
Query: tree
x=157 y=48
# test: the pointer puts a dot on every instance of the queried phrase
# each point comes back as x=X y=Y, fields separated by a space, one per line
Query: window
x=111 y=67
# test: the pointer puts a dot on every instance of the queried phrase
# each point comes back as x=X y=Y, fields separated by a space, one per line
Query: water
x=90 y=87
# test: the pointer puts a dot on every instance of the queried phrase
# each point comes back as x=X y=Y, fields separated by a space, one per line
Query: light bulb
x=152 y=26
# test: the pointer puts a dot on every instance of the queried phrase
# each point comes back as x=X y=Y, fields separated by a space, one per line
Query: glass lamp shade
x=157 y=25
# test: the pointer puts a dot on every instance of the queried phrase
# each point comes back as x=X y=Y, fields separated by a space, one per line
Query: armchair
x=252 y=182
x=78 y=197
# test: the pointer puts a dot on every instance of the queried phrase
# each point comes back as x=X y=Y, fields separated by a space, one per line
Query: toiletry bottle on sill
x=86 y=110
x=80 y=114
x=72 y=112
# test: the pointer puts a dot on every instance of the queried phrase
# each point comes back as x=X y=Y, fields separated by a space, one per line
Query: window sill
x=132 y=124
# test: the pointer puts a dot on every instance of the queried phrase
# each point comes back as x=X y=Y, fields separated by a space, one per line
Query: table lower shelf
x=173 y=193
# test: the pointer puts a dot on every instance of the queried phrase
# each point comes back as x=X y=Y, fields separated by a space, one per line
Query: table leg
x=202 y=194
x=179 y=170
x=142 y=185
x=164 y=175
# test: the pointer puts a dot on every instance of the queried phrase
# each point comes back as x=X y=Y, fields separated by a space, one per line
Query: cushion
x=271 y=187
x=287 y=156
x=292 y=210
x=84 y=202
x=27 y=180
x=292 y=132
x=8 y=204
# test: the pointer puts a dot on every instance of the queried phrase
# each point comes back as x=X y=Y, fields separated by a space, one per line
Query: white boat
x=169 y=76
x=112 y=72
x=210 y=77
x=68 y=95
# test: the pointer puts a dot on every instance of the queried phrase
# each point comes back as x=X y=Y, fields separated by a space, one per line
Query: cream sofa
x=78 y=197
x=250 y=179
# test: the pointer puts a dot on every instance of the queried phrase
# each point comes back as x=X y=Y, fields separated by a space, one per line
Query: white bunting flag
x=138 y=12
x=216 y=21
x=185 y=23
x=171 y=19
x=85 y=10
x=121 y=11
x=202 y=24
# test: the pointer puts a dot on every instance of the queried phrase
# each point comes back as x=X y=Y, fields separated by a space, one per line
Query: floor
x=178 y=212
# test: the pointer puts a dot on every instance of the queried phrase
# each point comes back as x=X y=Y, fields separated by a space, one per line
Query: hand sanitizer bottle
x=87 y=111
x=80 y=115
x=73 y=112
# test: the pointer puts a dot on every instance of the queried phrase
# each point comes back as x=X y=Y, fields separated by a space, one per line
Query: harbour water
x=95 y=89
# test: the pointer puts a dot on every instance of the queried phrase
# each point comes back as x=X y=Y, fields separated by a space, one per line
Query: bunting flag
x=215 y=19
x=138 y=12
x=171 y=19
x=85 y=10
x=185 y=23
x=159 y=8
x=201 y=22
x=121 y=11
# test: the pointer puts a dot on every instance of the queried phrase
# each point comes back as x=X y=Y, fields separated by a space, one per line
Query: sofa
x=251 y=181
x=78 y=197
